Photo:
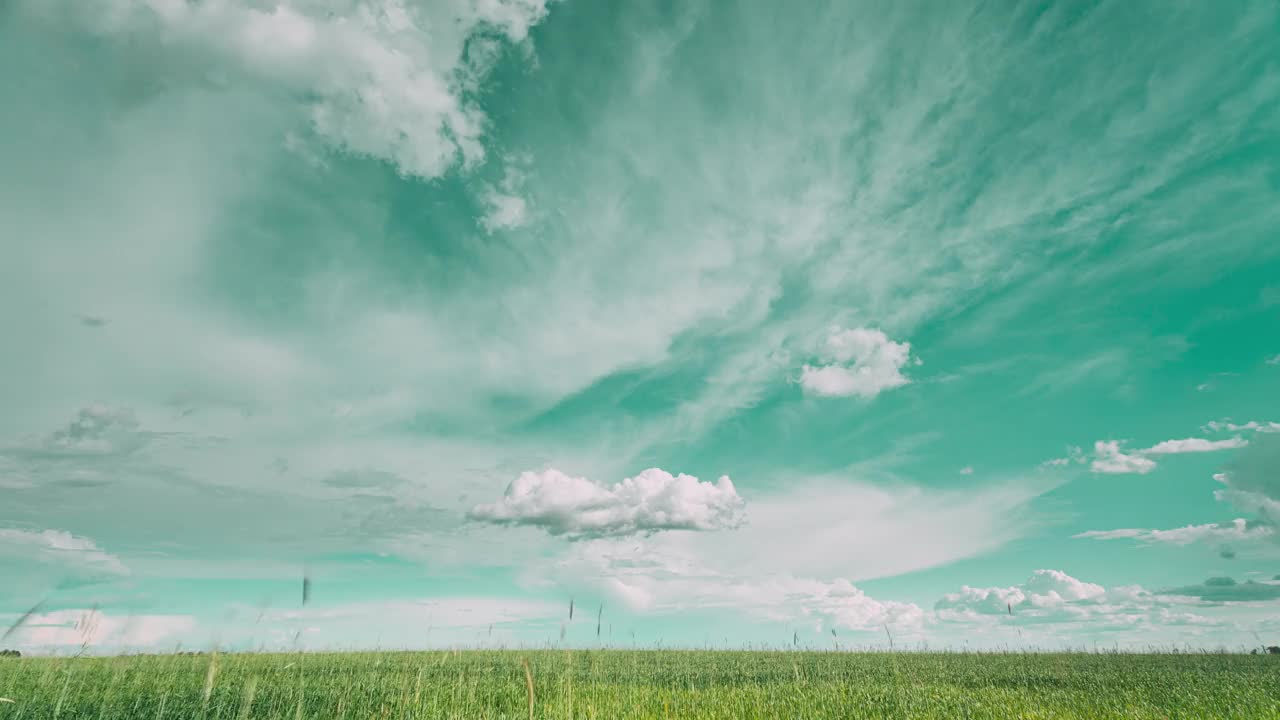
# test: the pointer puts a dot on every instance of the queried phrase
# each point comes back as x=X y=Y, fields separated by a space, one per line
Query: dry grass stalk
x=528 y=683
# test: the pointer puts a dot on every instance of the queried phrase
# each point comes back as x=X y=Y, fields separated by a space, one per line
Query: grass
x=617 y=684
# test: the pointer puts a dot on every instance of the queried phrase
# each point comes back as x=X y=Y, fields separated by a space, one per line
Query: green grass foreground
x=613 y=684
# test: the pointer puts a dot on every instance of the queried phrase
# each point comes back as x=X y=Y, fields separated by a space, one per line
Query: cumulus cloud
x=389 y=79
x=1110 y=459
x=1195 y=445
x=1054 y=597
x=861 y=361
x=1045 y=590
x=652 y=501
x=1239 y=529
x=1251 y=485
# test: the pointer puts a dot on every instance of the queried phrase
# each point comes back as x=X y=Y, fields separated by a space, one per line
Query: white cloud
x=1109 y=459
x=673 y=580
x=505 y=206
x=1252 y=425
x=800 y=555
x=97 y=629
x=967 y=470
x=1052 y=596
x=1237 y=530
x=1045 y=591
x=1251 y=487
x=1195 y=445
x=59 y=549
x=1052 y=607
x=651 y=501
x=1274 y=360
x=866 y=363
x=503 y=211
x=387 y=78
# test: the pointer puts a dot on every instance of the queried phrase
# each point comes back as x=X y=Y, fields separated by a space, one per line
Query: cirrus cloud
x=1238 y=530
x=387 y=79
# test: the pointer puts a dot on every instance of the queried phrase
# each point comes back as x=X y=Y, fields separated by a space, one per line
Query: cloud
x=1225 y=589
x=1046 y=594
x=1239 y=529
x=1253 y=480
x=1195 y=445
x=1075 y=455
x=1251 y=486
x=388 y=79
x=800 y=555
x=1109 y=459
x=1274 y=360
x=33 y=563
x=1056 y=598
x=61 y=548
x=670 y=581
x=966 y=470
x=1254 y=425
x=95 y=629
x=505 y=207
x=652 y=501
x=866 y=363
x=98 y=430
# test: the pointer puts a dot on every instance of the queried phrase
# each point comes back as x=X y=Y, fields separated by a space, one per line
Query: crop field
x=641 y=684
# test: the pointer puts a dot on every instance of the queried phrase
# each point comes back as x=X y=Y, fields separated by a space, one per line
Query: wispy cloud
x=391 y=83
x=1239 y=530
x=1194 y=445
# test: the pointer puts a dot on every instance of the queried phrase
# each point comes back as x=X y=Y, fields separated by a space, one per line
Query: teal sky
x=464 y=308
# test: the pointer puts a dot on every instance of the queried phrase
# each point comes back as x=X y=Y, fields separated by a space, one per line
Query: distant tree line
x=10 y=653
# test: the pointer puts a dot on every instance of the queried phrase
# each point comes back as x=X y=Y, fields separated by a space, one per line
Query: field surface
x=613 y=684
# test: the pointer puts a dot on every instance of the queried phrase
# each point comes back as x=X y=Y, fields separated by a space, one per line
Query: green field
x=642 y=684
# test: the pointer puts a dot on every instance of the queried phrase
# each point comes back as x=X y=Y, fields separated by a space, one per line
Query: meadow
x=616 y=684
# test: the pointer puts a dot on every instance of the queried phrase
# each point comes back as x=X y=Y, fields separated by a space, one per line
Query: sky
x=829 y=324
